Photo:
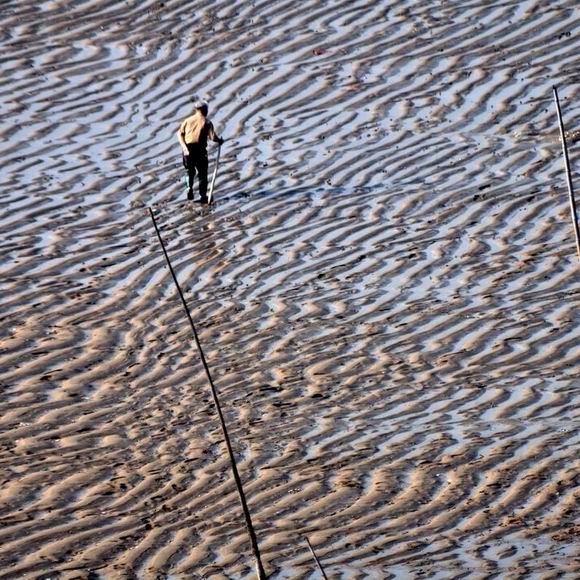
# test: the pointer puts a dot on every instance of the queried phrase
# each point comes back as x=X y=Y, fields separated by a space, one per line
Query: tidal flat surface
x=386 y=290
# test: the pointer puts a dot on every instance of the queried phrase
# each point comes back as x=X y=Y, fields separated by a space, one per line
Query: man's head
x=201 y=106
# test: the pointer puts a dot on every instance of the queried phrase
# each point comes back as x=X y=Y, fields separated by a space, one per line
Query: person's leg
x=189 y=164
x=201 y=164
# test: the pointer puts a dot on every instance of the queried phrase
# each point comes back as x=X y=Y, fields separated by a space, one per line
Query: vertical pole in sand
x=316 y=558
x=253 y=539
x=568 y=172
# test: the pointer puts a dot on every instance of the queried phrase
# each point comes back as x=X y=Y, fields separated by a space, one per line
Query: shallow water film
x=386 y=290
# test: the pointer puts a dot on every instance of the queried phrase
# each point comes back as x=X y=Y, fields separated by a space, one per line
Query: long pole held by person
x=568 y=172
x=217 y=162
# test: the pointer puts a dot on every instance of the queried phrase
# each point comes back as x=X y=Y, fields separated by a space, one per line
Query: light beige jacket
x=197 y=129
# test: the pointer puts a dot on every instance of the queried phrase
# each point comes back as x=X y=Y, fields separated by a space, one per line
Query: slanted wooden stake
x=316 y=558
x=568 y=173
x=253 y=539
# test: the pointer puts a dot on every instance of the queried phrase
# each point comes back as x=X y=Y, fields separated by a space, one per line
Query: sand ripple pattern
x=387 y=289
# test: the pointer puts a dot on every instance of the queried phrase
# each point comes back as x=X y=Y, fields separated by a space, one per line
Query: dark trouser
x=196 y=162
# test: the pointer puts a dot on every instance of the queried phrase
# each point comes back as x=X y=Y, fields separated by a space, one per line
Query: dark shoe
x=203 y=200
x=190 y=195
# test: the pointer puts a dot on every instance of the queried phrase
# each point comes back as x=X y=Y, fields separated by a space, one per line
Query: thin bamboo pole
x=217 y=162
x=568 y=172
x=251 y=532
x=316 y=558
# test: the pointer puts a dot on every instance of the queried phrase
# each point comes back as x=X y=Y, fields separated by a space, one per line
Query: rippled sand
x=386 y=290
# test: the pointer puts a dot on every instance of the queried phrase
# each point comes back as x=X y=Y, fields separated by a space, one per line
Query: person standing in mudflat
x=193 y=135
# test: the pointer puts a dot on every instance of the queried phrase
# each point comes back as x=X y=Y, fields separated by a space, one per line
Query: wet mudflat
x=386 y=290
